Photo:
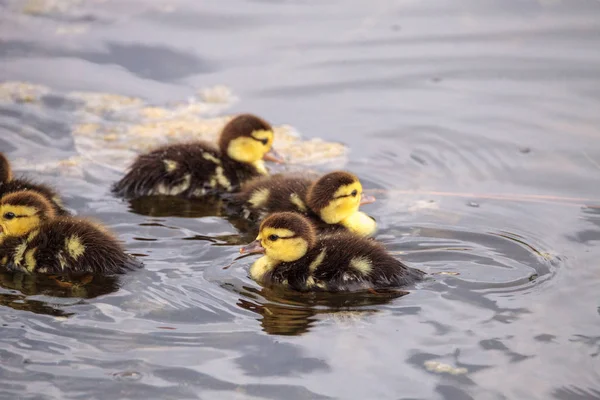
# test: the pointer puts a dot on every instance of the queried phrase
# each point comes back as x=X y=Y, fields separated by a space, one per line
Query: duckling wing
x=277 y=193
x=131 y=263
x=354 y=263
x=188 y=170
x=73 y=245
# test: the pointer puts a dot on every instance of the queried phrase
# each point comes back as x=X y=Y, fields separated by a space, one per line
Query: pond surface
x=474 y=122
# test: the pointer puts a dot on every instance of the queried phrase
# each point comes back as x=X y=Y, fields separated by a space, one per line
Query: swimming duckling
x=10 y=185
x=32 y=240
x=342 y=261
x=331 y=201
x=198 y=168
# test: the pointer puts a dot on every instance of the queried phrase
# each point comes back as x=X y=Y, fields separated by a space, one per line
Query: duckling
x=198 y=168
x=10 y=185
x=331 y=201
x=34 y=240
x=295 y=256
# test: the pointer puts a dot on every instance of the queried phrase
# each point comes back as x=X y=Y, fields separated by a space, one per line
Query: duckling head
x=5 y=171
x=336 y=198
x=23 y=212
x=283 y=237
x=249 y=139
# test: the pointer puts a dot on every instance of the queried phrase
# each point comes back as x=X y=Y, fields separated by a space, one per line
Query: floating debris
x=112 y=129
x=130 y=376
x=103 y=103
x=22 y=92
x=438 y=367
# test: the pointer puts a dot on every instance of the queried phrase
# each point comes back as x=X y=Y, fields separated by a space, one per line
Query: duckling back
x=66 y=245
x=185 y=169
x=275 y=193
x=345 y=262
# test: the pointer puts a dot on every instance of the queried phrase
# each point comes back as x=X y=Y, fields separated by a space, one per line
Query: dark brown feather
x=320 y=194
x=293 y=221
x=5 y=170
x=241 y=125
x=281 y=187
x=335 y=272
x=8 y=185
x=149 y=171
x=103 y=254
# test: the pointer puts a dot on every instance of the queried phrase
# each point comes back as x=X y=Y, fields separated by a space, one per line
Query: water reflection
x=484 y=112
x=84 y=286
x=172 y=206
x=28 y=286
x=286 y=312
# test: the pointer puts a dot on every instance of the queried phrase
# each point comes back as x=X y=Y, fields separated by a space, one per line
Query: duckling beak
x=366 y=199
x=252 y=248
x=274 y=156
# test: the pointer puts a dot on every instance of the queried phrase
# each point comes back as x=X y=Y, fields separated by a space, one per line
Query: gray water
x=476 y=124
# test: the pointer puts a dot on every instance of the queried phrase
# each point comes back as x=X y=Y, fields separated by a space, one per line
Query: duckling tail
x=131 y=263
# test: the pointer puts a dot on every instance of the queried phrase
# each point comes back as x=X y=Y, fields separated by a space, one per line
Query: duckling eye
x=354 y=193
x=264 y=141
x=273 y=237
x=9 y=215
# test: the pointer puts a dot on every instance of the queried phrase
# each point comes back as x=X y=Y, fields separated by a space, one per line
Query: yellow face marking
x=210 y=157
x=170 y=165
x=250 y=149
x=360 y=223
x=26 y=221
x=74 y=246
x=362 y=265
x=343 y=204
x=310 y=282
x=263 y=134
x=260 y=268
x=317 y=261
x=297 y=201
x=286 y=248
x=259 y=197
x=222 y=179
x=4 y=260
x=30 y=261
